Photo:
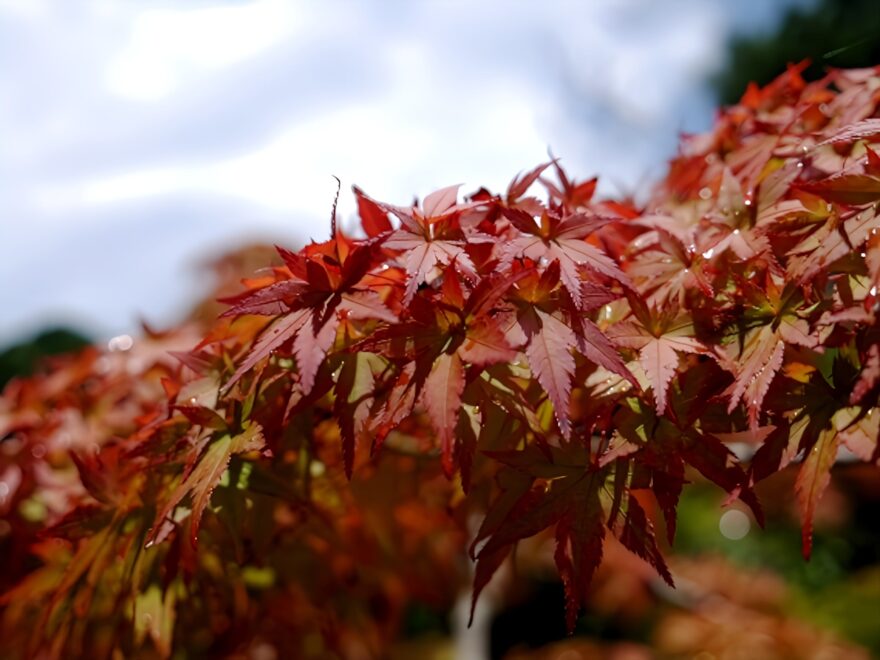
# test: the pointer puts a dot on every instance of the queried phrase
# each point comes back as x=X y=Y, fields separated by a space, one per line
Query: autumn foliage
x=551 y=364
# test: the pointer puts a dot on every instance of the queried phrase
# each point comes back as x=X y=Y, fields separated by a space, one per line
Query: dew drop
x=734 y=525
x=120 y=343
x=800 y=165
x=193 y=401
x=705 y=193
x=862 y=255
x=873 y=291
x=543 y=261
x=708 y=253
x=38 y=451
x=736 y=232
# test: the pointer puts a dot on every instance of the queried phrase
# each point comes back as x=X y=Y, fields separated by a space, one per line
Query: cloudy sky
x=138 y=138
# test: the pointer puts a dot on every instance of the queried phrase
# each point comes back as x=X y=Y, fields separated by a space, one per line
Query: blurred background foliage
x=753 y=596
x=832 y=33
x=22 y=359
x=748 y=597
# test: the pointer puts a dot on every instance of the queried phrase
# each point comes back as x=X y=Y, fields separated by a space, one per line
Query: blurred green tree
x=832 y=33
x=21 y=359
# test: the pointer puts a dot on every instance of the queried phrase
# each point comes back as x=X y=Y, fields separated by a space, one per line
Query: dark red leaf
x=374 y=219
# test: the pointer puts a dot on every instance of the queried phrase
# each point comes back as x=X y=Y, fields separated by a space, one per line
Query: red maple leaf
x=562 y=239
x=310 y=317
x=430 y=237
x=658 y=338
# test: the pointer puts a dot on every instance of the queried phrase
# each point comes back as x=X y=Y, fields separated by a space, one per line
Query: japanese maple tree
x=552 y=364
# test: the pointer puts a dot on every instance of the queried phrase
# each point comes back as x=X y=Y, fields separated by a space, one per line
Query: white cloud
x=169 y=47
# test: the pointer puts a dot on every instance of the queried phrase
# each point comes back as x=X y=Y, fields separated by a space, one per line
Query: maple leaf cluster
x=291 y=553
x=558 y=365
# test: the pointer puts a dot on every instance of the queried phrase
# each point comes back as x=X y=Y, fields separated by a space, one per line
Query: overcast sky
x=138 y=138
